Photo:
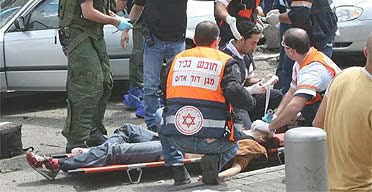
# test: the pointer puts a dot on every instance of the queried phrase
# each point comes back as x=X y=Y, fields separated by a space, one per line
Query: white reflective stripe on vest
x=208 y=123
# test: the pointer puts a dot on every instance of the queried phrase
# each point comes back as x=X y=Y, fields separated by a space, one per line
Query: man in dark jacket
x=200 y=86
x=241 y=50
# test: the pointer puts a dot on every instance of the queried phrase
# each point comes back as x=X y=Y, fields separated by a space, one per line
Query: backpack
x=10 y=140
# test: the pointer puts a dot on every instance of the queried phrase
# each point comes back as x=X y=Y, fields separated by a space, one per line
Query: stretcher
x=277 y=148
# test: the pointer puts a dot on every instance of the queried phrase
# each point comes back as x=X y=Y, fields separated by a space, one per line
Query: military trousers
x=89 y=84
x=136 y=59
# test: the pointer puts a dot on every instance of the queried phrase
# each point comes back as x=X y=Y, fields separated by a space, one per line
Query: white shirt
x=310 y=79
x=230 y=46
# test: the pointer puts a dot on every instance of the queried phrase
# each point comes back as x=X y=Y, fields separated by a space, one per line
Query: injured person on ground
x=132 y=144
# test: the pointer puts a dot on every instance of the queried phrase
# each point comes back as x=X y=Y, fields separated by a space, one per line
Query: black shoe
x=209 y=166
x=181 y=176
x=153 y=128
x=70 y=145
x=96 y=138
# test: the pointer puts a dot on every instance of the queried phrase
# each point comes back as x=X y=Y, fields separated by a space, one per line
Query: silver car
x=354 y=25
x=32 y=58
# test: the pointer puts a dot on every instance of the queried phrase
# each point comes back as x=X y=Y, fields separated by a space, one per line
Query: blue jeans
x=174 y=144
x=129 y=144
x=152 y=66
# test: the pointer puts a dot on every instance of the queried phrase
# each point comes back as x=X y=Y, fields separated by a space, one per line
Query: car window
x=8 y=8
x=44 y=16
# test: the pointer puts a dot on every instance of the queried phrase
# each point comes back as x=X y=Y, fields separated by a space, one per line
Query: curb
x=259 y=171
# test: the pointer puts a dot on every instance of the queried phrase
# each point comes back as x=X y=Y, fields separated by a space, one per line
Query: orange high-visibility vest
x=195 y=104
x=316 y=56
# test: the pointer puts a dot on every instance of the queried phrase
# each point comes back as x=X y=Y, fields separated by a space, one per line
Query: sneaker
x=153 y=128
x=43 y=165
x=181 y=176
x=209 y=167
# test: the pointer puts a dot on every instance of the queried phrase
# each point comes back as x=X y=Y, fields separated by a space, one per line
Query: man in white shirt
x=312 y=73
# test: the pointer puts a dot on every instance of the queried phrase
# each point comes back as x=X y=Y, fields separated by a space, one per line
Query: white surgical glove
x=272 y=17
x=232 y=23
x=256 y=88
x=260 y=126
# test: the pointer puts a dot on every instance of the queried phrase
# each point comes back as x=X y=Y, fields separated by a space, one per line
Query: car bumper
x=352 y=36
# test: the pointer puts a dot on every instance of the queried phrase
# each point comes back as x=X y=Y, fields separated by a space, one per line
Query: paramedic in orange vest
x=312 y=72
x=200 y=85
x=229 y=12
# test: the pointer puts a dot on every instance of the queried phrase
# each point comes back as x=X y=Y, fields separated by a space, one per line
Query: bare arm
x=289 y=112
x=221 y=11
x=135 y=12
x=234 y=170
x=320 y=115
x=251 y=81
x=121 y=5
x=90 y=13
x=286 y=99
x=283 y=18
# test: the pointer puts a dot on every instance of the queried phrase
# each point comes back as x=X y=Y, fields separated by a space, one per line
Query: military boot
x=95 y=138
x=75 y=144
x=181 y=176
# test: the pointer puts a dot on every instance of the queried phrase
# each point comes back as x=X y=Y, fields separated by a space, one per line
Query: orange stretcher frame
x=279 y=141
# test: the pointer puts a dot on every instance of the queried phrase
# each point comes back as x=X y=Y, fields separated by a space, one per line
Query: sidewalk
x=20 y=177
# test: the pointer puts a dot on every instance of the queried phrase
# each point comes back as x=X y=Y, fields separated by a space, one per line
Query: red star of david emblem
x=188 y=120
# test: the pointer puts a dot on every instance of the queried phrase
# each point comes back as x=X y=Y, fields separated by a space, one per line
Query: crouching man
x=199 y=86
x=312 y=73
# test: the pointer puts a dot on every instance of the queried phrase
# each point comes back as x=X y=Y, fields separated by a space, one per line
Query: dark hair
x=247 y=29
x=205 y=33
x=297 y=39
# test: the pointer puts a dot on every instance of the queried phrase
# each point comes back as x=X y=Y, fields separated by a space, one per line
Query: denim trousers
x=175 y=145
x=129 y=144
x=152 y=67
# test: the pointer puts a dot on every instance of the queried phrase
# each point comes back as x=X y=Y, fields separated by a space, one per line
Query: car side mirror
x=20 y=23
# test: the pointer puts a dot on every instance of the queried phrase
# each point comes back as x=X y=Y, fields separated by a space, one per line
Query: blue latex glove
x=124 y=24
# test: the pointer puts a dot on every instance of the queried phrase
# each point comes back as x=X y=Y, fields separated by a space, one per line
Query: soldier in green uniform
x=89 y=81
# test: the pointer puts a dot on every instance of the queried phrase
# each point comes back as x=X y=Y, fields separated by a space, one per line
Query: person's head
x=368 y=53
x=207 y=34
x=296 y=42
x=258 y=135
x=251 y=35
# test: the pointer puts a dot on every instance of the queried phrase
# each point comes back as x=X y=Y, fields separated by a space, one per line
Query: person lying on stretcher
x=133 y=144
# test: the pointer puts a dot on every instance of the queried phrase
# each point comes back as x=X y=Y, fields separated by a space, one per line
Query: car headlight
x=347 y=13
